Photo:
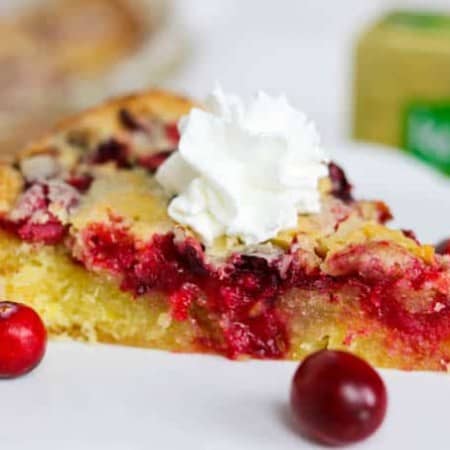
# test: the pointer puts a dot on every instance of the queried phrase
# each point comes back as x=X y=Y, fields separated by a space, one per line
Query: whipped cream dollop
x=244 y=169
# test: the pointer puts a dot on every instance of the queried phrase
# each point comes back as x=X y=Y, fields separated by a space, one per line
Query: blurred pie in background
x=58 y=56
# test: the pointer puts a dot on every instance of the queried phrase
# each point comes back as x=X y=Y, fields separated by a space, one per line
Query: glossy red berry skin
x=23 y=339
x=337 y=398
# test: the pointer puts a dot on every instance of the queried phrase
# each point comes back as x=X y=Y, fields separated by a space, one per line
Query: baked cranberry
x=443 y=248
x=51 y=232
x=152 y=162
x=191 y=255
x=337 y=398
x=23 y=339
x=341 y=188
x=411 y=235
x=128 y=120
x=384 y=213
x=111 y=150
x=181 y=300
x=81 y=182
x=172 y=133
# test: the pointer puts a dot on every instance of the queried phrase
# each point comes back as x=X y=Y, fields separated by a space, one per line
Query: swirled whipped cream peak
x=244 y=169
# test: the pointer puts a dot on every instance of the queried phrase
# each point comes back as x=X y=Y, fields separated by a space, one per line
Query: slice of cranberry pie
x=88 y=238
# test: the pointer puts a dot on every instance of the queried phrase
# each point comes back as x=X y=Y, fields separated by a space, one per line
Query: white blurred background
x=300 y=47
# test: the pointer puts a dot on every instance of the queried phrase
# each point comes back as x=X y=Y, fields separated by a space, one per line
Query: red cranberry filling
x=242 y=296
x=109 y=248
x=181 y=300
x=33 y=221
x=51 y=232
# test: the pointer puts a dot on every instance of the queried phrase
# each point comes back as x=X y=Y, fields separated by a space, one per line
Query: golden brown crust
x=102 y=122
x=153 y=103
x=161 y=104
x=99 y=122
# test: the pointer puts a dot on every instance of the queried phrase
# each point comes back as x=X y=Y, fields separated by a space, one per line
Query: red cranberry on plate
x=23 y=339
x=337 y=398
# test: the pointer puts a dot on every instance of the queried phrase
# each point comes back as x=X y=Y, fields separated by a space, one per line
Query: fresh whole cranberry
x=23 y=339
x=337 y=398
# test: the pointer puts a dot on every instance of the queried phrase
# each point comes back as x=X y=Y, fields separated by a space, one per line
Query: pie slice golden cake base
x=87 y=242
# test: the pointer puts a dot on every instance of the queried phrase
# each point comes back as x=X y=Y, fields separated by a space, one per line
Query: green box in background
x=402 y=85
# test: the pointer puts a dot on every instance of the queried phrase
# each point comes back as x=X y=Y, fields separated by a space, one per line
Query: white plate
x=103 y=397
